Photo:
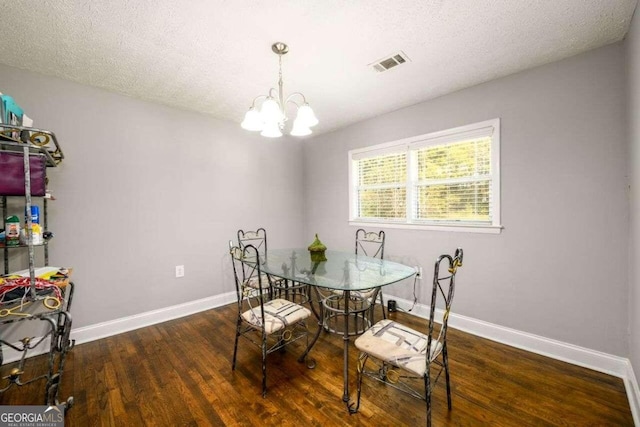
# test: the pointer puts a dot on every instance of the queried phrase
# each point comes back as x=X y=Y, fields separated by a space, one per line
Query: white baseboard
x=633 y=393
x=598 y=361
x=129 y=323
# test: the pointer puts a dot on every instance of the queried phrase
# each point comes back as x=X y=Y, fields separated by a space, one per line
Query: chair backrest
x=444 y=276
x=246 y=268
x=257 y=238
x=370 y=243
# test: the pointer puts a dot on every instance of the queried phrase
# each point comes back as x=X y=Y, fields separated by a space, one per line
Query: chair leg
x=364 y=319
x=384 y=313
x=264 y=365
x=235 y=347
x=427 y=388
x=445 y=362
x=362 y=360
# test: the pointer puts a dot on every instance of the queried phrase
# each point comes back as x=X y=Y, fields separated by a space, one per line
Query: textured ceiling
x=214 y=56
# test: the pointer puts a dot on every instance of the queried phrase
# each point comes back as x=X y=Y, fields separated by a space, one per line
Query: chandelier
x=271 y=117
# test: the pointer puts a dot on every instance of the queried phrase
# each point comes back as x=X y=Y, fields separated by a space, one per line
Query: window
x=446 y=180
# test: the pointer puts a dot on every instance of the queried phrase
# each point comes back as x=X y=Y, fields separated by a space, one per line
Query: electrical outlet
x=179 y=270
x=418 y=272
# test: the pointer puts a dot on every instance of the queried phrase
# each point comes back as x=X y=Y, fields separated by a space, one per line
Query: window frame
x=410 y=147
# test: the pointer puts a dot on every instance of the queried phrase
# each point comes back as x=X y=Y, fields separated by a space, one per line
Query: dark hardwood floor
x=179 y=373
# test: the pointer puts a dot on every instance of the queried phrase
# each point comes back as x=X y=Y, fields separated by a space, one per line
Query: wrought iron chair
x=361 y=303
x=271 y=324
x=408 y=359
x=296 y=292
x=258 y=239
x=371 y=244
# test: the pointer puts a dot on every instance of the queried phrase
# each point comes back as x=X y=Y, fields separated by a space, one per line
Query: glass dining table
x=342 y=271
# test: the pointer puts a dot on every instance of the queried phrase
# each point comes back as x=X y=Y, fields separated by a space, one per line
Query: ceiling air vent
x=390 y=62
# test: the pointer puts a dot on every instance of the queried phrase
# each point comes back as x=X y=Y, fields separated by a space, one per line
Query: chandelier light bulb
x=270 y=111
x=299 y=129
x=252 y=120
x=307 y=116
x=271 y=130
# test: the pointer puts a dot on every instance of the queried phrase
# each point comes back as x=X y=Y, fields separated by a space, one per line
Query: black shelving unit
x=33 y=299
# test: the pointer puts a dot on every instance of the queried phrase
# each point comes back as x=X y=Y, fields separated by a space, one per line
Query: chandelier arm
x=289 y=98
x=253 y=103
x=289 y=101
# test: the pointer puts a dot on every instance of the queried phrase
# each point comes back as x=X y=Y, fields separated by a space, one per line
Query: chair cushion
x=254 y=283
x=362 y=294
x=365 y=293
x=398 y=345
x=278 y=313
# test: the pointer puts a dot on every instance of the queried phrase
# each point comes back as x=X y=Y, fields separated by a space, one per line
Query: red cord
x=25 y=282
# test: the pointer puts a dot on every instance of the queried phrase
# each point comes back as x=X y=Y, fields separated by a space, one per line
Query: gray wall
x=559 y=268
x=632 y=45
x=146 y=187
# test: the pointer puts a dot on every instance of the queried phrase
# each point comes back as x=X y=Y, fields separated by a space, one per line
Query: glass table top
x=342 y=270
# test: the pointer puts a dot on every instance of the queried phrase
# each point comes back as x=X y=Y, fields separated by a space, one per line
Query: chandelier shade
x=252 y=120
x=307 y=116
x=300 y=129
x=268 y=113
x=271 y=130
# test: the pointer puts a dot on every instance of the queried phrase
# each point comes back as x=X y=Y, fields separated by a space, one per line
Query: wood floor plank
x=179 y=373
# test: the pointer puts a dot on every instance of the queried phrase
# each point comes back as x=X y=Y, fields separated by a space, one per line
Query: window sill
x=466 y=228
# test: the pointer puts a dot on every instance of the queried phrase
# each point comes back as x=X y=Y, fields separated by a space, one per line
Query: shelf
x=38 y=141
x=45 y=304
x=43 y=293
x=2 y=245
x=50 y=293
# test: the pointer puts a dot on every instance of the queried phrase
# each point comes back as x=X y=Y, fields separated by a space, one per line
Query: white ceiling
x=214 y=56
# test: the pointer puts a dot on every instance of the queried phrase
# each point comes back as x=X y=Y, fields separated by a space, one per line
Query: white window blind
x=449 y=178
x=454 y=182
x=382 y=186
